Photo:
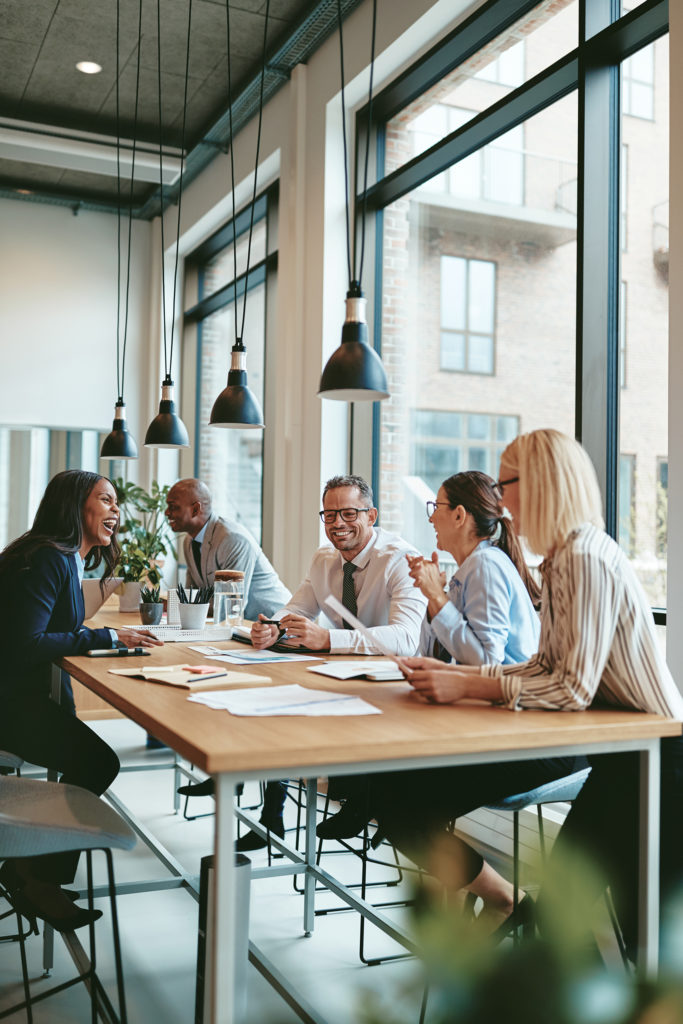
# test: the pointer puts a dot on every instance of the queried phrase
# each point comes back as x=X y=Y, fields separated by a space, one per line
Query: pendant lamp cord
x=118 y=212
x=161 y=188
x=180 y=182
x=168 y=351
x=131 y=195
x=238 y=333
x=352 y=267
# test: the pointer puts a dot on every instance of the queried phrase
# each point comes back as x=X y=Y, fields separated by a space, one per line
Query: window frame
x=593 y=70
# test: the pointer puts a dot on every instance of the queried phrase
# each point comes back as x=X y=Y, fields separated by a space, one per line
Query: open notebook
x=186 y=677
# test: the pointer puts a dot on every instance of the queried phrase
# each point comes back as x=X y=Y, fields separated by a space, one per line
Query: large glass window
x=643 y=426
x=500 y=66
x=495 y=166
x=461 y=277
x=230 y=461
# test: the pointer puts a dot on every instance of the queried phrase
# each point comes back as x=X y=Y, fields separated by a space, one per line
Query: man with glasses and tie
x=213 y=543
x=366 y=567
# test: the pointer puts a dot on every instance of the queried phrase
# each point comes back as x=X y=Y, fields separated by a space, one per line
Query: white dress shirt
x=597 y=637
x=387 y=602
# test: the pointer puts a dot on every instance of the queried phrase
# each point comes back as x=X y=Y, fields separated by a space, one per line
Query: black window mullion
x=229 y=292
x=512 y=110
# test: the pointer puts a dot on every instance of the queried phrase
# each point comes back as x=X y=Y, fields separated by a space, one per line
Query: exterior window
x=627 y=491
x=661 y=518
x=507 y=69
x=622 y=334
x=230 y=462
x=638 y=84
x=468 y=299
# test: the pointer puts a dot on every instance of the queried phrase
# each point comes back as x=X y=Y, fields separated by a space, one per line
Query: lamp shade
x=120 y=443
x=354 y=372
x=167 y=430
x=237 y=406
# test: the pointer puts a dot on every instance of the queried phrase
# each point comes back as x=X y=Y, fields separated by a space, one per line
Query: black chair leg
x=24 y=970
x=123 y=1018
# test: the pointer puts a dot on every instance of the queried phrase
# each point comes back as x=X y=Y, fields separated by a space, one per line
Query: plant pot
x=129 y=596
x=193 y=616
x=150 y=612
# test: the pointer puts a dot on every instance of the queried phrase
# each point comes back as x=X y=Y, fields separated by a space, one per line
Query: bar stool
x=39 y=818
x=562 y=790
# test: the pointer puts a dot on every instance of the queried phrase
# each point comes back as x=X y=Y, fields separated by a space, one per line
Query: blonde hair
x=558 y=488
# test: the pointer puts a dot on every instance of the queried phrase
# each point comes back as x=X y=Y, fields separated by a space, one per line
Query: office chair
x=46 y=817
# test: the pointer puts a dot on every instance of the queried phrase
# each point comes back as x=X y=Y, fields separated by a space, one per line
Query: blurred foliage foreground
x=558 y=978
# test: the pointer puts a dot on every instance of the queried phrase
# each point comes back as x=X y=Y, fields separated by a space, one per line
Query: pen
x=119 y=652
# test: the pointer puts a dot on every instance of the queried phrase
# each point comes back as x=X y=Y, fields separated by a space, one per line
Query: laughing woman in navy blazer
x=41 y=621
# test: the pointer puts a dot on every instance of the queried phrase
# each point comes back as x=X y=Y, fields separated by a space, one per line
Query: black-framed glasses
x=433 y=505
x=500 y=484
x=349 y=515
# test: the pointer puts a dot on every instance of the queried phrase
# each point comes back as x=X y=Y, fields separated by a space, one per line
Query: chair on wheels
x=39 y=818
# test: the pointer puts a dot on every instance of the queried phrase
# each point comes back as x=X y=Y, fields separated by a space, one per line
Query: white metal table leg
x=648 y=862
x=223 y=940
x=309 y=879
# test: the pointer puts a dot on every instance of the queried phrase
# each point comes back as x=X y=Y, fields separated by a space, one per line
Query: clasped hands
x=436 y=682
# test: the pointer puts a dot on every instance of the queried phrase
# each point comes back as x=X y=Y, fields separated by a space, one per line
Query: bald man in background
x=212 y=543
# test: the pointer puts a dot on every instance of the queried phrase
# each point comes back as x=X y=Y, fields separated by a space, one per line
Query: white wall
x=58 y=317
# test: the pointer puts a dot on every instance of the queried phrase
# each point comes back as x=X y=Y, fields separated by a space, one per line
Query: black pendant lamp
x=354 y=372
x=237 y=405
x=120 y=443
x=167 y=430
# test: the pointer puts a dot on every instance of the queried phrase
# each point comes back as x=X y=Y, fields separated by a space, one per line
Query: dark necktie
x=349 y=591
x=197 y=553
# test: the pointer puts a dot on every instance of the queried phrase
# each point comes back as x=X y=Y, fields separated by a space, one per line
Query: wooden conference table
x=408 y=734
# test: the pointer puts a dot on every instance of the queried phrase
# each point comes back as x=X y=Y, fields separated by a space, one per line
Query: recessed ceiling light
x=89 y=67
x=23 y=191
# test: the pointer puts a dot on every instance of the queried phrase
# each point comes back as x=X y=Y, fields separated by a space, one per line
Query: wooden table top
x=217 y=741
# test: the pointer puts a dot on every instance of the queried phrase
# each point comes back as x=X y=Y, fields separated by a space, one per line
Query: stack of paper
x=285 y=700
x=379 y=671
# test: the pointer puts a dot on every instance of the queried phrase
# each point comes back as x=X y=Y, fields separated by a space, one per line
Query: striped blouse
x=597 y=637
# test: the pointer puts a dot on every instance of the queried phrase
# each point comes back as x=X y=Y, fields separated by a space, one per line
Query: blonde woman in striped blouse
x=597 y=645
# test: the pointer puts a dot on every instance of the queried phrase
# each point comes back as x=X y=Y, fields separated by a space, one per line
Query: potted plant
x=151 y=605
x=144 y=537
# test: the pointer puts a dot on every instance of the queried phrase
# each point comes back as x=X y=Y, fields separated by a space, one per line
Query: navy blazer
x=41 y=620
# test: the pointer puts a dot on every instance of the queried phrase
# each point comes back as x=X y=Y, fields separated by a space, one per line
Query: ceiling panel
x=41 y=41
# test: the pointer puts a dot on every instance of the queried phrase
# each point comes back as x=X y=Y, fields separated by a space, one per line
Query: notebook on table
x=188 y=677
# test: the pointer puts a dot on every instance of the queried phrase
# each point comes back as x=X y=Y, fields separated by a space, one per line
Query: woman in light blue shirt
x=487 y=616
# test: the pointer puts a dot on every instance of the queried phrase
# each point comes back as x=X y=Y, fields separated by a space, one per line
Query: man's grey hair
x=351 y=480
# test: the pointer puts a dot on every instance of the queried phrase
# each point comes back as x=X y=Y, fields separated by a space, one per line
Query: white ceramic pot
x=129 y=597
x=193 y=616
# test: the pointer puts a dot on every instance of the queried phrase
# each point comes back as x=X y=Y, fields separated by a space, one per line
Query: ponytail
x=509 y=543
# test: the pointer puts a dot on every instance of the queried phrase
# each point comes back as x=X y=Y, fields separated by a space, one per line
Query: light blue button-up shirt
x=489 y=617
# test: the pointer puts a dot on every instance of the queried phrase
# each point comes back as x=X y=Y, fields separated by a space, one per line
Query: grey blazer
x=229 y=545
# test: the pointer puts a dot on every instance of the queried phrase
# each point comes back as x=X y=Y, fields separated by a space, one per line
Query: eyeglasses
x=500 y=484
x=349 y=515
x=433 y=505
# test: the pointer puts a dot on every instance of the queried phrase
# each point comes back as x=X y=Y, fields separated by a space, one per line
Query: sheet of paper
x=249 y=657
x=341 y=669
x=284 y=700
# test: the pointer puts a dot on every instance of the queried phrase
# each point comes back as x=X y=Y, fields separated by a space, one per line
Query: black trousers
x=413 y=808
x=602 y=826
x=48 y=734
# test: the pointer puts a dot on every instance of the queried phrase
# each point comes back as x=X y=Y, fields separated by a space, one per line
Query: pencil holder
x=193 y=616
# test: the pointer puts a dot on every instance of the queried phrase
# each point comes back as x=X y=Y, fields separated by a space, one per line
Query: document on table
x=284 y=700
x=248 y=657
x=379 y=671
